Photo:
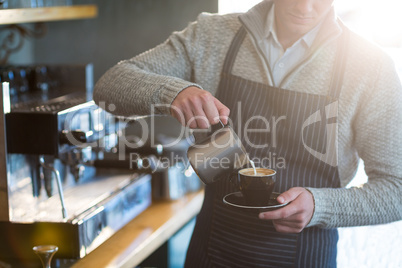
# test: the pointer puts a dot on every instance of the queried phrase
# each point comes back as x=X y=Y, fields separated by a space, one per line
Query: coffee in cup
x=256 y=185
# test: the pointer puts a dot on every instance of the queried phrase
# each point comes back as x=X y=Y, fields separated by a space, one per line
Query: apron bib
x=292 y=132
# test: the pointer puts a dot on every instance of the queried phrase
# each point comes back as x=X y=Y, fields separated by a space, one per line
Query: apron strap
x=233 y=49
x=340 y=63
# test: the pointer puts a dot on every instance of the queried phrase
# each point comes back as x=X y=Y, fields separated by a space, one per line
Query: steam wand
x=59 y=186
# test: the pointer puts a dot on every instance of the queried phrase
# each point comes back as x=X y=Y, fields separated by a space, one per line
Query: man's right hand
x=196 y=108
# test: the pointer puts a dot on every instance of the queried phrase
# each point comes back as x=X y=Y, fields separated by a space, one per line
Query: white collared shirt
x=282 y=61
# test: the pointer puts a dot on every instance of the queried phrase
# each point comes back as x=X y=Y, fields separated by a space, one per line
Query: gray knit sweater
x=370 y=104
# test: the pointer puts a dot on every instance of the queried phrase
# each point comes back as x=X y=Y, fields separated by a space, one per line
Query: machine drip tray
x=93 y=218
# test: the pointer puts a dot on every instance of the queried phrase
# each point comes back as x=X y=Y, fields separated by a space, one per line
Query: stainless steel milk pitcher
x=217 y=154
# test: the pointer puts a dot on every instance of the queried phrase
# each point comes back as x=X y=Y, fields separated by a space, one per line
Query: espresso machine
x=59 y=181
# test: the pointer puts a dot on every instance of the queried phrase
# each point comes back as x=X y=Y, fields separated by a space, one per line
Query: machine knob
x=72 y=137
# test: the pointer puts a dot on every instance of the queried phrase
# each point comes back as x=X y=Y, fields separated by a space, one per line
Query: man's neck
x=287 y=41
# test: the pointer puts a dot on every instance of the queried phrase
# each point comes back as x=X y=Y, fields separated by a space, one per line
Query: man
x=321 y=98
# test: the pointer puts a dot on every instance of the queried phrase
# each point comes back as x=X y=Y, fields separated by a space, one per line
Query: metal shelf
x=27 y=15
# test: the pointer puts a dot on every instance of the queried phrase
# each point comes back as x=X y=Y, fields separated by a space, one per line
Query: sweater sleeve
x=377 y=129
x=151 y=79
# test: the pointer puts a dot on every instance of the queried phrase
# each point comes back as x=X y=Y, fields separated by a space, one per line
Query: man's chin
x=300 y=29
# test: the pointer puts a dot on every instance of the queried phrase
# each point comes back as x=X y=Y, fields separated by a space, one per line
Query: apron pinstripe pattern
x=224 y=237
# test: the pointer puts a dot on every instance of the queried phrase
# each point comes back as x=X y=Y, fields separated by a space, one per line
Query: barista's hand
x=295 y=216
x=197 y=108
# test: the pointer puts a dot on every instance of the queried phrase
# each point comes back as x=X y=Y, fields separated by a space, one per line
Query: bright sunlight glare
x=376 y=21
x=381 y=22
x=233 y=6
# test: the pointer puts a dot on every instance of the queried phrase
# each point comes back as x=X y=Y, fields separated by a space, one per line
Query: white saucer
x=236 y=200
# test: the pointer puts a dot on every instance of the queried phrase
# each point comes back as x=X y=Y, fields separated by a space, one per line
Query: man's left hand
x=294 y=217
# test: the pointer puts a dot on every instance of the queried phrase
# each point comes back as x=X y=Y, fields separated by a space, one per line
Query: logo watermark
x=107 y=132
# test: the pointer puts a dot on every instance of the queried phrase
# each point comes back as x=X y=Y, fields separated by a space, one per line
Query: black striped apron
x=300 y=147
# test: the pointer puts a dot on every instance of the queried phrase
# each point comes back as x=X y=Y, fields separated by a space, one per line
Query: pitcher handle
x=233 y=178
x=200 y=135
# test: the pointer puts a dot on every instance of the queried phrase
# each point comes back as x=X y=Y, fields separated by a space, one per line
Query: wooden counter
x=144 y=234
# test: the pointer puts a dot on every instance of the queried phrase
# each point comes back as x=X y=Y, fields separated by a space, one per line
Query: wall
x=122 y=29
